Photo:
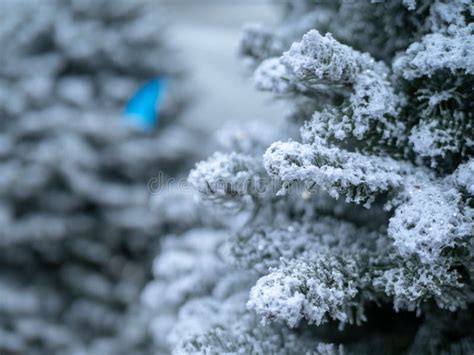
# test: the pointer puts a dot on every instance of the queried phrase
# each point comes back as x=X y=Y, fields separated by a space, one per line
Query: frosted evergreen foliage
x=464 y=178
x=436 y=214
x=323 y=59
x=197 y=303
x=76 y=229
x=363 y=240
x=227 y=178
x=311 y=289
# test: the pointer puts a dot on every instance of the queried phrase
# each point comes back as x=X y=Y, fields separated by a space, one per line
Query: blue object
x=142 y=108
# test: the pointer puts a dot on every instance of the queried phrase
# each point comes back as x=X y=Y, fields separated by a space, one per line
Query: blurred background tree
x=77 y=233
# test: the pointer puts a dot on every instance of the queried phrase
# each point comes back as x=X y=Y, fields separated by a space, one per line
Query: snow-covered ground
x=207 y=33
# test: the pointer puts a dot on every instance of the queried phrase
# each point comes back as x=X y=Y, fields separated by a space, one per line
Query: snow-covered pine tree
x=359 y=231
x=75 y=227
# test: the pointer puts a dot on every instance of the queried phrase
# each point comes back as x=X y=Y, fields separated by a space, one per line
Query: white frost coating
x=412 y=283
x=453 y=51
x=431 y=139
x=323 y=59
x=202 y=314
x=429 y=221
x=262 y=249
x=374 y=99
x=410 y=4
x=238 y=332
x=188 y=267
x=275 y=295
x=357 y=177
x=226 y=176
x=329 y=349
x=325 y=125
x=445 y=14
x=271 y=75
x=464 y=176
x=313 y=287
x=372 y=110
x=186 y=270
